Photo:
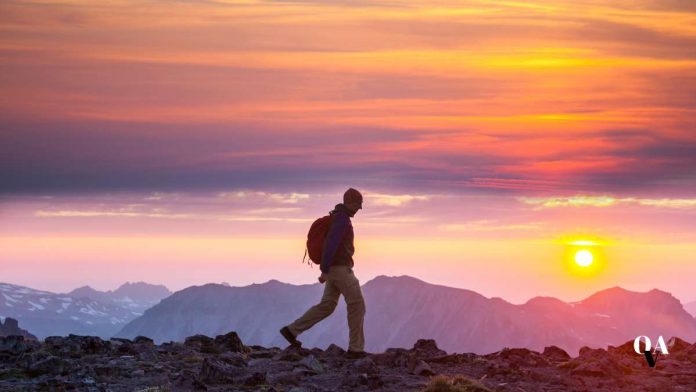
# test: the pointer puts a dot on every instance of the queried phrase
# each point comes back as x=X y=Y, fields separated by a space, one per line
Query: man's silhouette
x=337 y=275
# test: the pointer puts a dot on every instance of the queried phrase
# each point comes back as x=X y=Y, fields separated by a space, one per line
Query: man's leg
x=350 y=288
x=319 y=311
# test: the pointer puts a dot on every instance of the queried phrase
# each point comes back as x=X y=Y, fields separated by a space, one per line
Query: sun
x=583 y=258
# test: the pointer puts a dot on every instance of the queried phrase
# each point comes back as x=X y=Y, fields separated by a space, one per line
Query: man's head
x=352 y=199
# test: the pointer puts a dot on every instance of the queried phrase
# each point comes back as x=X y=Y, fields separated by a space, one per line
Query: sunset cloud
x=292 y=96
x=289 y=198
x=604 y=201
x=486 y=225
x=380 y=199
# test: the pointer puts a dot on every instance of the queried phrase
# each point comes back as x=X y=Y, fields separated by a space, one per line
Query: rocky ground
x=224 y=363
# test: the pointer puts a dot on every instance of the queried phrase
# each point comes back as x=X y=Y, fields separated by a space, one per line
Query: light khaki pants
x=339 y=280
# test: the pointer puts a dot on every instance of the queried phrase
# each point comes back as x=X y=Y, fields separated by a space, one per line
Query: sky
x=187 y=142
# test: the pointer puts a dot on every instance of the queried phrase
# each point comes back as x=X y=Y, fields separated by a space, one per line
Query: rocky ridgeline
x=224 y=363
x=11 y=327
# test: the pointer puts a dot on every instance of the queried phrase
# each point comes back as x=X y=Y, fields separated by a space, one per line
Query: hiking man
x=338 y=278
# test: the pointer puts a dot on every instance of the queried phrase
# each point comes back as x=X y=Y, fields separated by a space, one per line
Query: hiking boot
x=285 y=331
x=355 y=354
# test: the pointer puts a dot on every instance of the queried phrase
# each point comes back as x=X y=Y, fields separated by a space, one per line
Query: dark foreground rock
x=224 y=363
x=11 y=327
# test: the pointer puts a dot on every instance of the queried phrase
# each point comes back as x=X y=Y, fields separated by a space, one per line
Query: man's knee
x=327 y=305
x=356 y=306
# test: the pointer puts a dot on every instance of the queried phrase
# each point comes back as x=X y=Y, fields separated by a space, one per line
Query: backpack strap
x=308 y=260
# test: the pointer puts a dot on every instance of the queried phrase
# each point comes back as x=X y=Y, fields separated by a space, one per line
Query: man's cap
x=352 y=195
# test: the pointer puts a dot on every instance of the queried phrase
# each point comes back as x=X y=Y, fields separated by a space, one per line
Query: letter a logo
x=660 y=348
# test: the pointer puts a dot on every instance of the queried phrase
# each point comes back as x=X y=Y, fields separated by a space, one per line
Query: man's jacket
x=338 y=245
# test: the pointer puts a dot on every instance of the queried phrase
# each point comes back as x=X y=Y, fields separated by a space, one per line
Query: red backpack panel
x=315 y=238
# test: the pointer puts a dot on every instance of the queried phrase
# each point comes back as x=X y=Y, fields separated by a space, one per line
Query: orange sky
x=187 y=142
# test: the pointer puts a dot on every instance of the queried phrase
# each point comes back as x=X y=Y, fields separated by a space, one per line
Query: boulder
x=334 y=351
x=198 y=341
x=555 y=354
x=13 y=344
x=230 y=342
x=214 y=371
x=143 y=340
x=427 y=348
x=11 y=327
x=423 y=369
x=313 y=364
x=365 y=365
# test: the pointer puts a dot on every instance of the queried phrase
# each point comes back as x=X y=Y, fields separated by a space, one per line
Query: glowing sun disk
x=583 y=258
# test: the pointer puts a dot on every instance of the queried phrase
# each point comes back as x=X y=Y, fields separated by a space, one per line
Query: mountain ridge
x=461 y=319
x=83 y=310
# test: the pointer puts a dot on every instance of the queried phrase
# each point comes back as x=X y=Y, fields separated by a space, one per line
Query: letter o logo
x=636 y=344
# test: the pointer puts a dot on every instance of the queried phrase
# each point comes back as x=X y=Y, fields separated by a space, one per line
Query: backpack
x=315 y=239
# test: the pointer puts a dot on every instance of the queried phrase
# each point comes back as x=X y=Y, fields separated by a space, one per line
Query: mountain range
x=136 y=296
x=691 y=308
x=83 y=311
x=402 y=309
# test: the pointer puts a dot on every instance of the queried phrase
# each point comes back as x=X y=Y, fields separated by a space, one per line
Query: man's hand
x=322 y=278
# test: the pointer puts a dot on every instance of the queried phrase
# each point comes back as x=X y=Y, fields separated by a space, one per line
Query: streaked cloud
x=287 y=198
x=604 y=201
x=381 y=199
x=96 y=213
x=486 y=225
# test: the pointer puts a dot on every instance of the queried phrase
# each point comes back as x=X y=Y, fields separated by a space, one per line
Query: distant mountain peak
x=397 y=278
x=85 y=287
x=543 y=300
x=620 y=293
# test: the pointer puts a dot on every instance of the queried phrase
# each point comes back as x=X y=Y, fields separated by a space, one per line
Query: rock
x=360 y=380
x=354 y=380
x=198 y=341
x=365 y=365
x=334 y=351
x=427 y=348
x=230 y=342
x=188 y=381
x=255 y=379
x=602 y=367
x=423 y=369
x=285 y=378
x=291 y=353
x=13 y=344
x=233 y=358
x=624 y=349
x=374 y=381
x=11 y=327
x=676 y=345
x=106 y=371
x=313 y=364
x=394 y=357
x=592 y=353
x=118 y=341
x=52 y=365
x=214 y=371
x=261 y=353
x=555 y=354
x=143 y=340
x=76 y=346
x=520 y=357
